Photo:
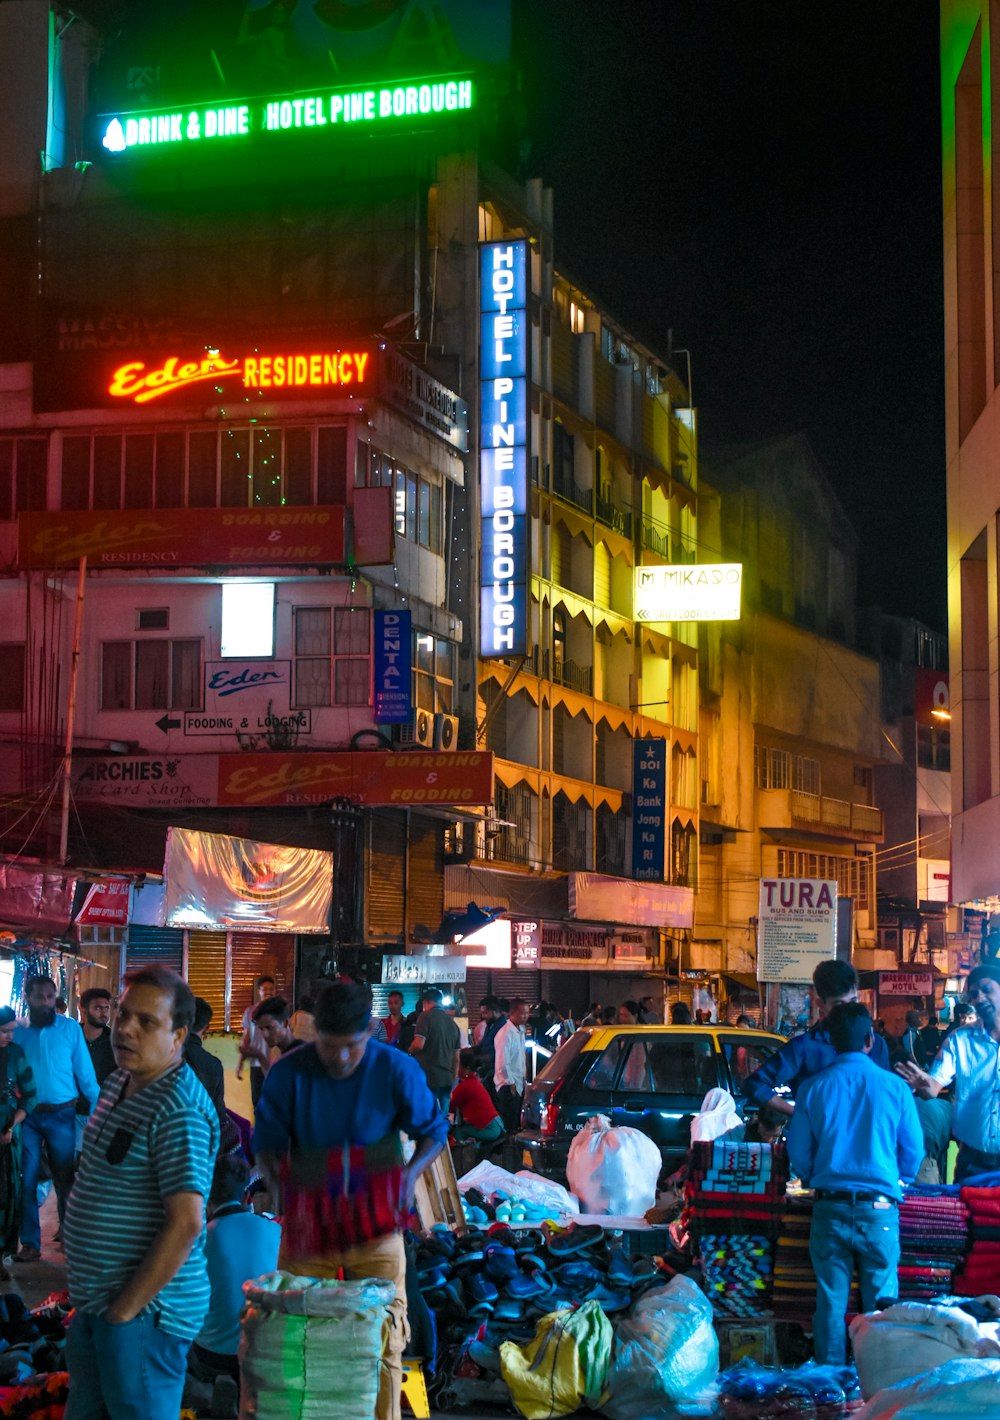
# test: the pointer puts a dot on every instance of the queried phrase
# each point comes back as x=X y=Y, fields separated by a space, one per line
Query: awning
x=744 y=980
x=510 y=775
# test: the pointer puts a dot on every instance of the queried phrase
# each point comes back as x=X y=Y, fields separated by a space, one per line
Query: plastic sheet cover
x=212 y=880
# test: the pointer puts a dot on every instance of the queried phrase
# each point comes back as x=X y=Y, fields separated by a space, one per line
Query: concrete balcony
x=817 y=813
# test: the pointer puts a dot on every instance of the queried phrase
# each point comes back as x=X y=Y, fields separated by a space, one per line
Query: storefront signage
x=527 y=945
x=247 y=698
x=569 y=945
x=639 y=947
x=183 y=537
x=376 y=778
x=427 y=401
x=393 y=667
x=422 y=970
x=327 y=112
x=503 y=466
x=106 y=904
x=137 y=382
x=705 y=592
x=797 y=927
x=649 y=809
x=905 y=983
x=214 y=880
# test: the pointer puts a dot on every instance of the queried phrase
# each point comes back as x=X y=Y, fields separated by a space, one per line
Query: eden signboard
x=689 y=592
x=329 y=110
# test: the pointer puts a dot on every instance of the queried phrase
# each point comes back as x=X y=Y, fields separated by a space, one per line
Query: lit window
x=247 y=619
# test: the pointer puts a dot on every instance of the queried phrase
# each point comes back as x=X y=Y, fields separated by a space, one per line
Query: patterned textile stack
x=735 y=1196
x=981 y=1272
x=933 y=1231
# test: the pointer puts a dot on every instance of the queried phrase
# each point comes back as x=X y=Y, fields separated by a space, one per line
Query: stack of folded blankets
x=933 y=1232
x=734 y=1199
x=981 y=1272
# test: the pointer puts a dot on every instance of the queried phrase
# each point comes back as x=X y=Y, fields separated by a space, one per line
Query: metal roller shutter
x=477 y=985
x=426 y=892
x=159 y=944
x=384 y=888
x=256 y=954
x=517 y=983
x=206 y=973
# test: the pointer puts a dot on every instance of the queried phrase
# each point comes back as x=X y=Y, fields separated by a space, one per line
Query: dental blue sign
x=503 y=445
x=649 y=809
x=393 y=668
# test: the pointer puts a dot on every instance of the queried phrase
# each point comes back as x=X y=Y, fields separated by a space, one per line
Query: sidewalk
x=34 y=1281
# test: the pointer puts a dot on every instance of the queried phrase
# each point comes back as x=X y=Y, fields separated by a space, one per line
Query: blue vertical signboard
x=649 y=809
x=503 y=447
x=393 y=668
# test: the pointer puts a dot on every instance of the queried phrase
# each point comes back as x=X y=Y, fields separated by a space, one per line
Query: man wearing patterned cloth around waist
x=135 y=1220
x=854 y=1134
x=970 y=1058
x=327 y=1137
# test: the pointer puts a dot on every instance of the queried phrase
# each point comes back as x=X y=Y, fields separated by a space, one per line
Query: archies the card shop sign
x=503 y=467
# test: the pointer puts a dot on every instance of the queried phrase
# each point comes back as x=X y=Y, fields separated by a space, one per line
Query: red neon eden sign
x=141 y=383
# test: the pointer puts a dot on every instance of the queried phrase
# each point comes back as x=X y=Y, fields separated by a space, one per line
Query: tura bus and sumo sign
x=328 y=111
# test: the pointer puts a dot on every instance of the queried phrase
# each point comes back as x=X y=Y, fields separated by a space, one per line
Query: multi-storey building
x=790 y=711
x=970 y=60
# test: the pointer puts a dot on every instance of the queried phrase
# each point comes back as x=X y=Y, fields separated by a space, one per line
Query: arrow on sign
x=165 y=724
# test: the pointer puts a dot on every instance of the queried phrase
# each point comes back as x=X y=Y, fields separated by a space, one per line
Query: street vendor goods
x=613 y=1170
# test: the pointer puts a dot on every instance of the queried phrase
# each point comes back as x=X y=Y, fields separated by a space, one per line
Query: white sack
x=666 y=1351
x=613 y=1170
x=967 y=1390
x=911 y=1338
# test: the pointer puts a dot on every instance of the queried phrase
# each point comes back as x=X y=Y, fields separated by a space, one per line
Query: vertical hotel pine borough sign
x=503 y=447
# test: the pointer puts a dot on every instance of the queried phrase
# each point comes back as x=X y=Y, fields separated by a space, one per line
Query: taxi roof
x=602 y=1036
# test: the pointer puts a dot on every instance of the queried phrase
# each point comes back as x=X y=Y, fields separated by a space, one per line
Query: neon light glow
x=317 y=370
x=699 y=592
x=503 y=458
x=330 y=110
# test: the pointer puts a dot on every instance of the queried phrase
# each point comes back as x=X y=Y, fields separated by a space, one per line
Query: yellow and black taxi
x=652 y=1078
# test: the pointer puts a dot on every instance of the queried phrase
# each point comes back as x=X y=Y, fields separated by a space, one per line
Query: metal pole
x=74 y=665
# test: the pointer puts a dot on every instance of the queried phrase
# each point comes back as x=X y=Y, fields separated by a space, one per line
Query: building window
x=416 y=501
x=933 y=747
x=332 y=656
x=772 y=767
x=151 y=675
x=22 y=476
x=852 y=875
x=864 y=778
x=12 y=675
x=247 y=619
x=433 y=673
x=266 y=466
x=805 y=775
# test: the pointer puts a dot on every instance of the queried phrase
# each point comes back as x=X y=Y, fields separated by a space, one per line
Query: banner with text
x=649 y=809
x=212 y=880
x=797 y=927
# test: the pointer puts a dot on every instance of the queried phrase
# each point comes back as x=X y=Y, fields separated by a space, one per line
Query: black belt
x=52 y=1108
x=847 y=1195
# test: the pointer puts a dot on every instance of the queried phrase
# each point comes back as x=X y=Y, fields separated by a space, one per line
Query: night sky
x=763 y=177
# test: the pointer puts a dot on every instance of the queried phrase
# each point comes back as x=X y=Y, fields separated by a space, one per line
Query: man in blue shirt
x=806 y=1054
x=854 y=1134
x=327 y=1138
x=60 y=1061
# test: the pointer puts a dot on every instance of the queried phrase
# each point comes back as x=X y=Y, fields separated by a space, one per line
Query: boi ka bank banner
x=503 y=445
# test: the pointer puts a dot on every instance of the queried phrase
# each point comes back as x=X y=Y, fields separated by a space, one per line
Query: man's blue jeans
x=57 y=1130
x=133 y=1371
x=843 y=1233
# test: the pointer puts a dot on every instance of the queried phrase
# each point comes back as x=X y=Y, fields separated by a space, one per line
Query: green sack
x=564 y=1367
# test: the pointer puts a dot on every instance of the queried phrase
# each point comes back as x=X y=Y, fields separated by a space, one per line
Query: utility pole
x=74 y=666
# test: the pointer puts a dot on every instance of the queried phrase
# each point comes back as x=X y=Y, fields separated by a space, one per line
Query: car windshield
x=557 y=1066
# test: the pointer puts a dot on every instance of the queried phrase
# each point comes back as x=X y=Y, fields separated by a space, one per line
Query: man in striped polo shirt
x=135 y=1221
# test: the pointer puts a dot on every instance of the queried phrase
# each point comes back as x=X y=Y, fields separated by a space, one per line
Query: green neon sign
x=334 y=109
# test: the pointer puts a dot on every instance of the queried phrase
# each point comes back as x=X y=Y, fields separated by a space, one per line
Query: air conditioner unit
x=418 y=731
x=445 y=731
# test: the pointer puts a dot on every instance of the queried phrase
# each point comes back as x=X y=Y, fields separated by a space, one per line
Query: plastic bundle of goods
x=751 y=1392
x=933 y=1233
x=794 y=1286
x=981 y=1272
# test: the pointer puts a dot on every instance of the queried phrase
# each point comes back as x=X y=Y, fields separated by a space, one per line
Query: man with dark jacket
x=95 y=1015
x=807 y=1054
x=207 y=1067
